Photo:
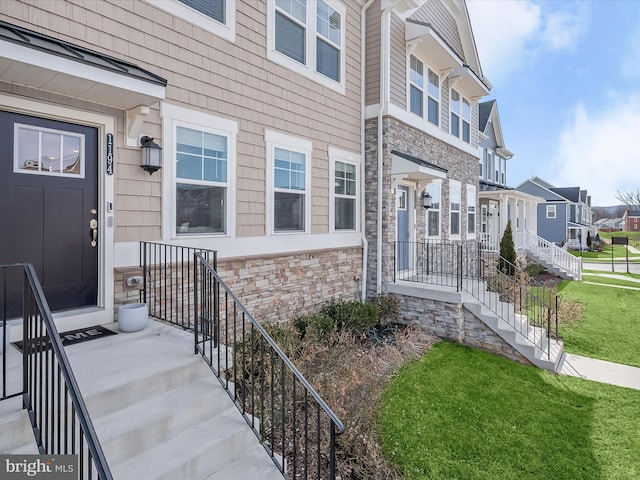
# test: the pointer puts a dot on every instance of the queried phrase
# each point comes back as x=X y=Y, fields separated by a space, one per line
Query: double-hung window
x=481 y=154
x=289 y=170
x=417 y=91
x=308 y=37
x=551 y=211
x=460 y=109
x=344 y=194
x=455 y=200
x=216 y=16
x=433 y=213
x=201 y=181
x=471 y=210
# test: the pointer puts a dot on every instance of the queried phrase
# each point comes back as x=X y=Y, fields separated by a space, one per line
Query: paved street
x=619 y=266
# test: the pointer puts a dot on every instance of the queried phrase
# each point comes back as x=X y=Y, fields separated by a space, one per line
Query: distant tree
x=508 y=254
x=630 y=199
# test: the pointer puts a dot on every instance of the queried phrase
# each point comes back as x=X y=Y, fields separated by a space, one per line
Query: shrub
x=533 y=270
x=353 y=316
x=507 y=251
x=389 y=308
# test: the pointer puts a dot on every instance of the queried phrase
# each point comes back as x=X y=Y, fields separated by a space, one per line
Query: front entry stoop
x=160 y=413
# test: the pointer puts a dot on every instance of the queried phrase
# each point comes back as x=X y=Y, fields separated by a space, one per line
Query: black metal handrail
x=527 y=308
x=50 y=394
x=295 y=425
x=167 y=280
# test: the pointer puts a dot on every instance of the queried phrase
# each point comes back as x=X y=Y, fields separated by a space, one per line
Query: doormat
x=71 y=337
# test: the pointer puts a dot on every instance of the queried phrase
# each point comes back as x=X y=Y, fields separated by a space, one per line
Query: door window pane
x=48 y=152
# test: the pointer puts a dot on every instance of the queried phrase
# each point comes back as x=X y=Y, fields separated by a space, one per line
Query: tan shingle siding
x=205 y=72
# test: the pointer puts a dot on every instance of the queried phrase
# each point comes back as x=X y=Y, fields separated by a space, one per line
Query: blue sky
x=566 y=75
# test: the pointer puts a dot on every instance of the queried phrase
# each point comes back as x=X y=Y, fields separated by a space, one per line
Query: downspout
x=385 y=40
x=363 y=206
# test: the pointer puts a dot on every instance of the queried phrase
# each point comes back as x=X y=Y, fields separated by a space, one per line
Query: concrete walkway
x=600 y=371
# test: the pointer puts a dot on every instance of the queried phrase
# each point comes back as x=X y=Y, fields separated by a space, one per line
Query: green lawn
x=609 y=281
x=634 y=237
x=619 y=251
x=610 y=327
x=460 y=413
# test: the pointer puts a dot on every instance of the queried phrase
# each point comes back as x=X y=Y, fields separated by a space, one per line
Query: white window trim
x=308 y=70
x=439 y=210
x=551 y=208
x=455 y=184
x=471 y=194
x=274 y=140
x=425 y=91
x=225 y=30
x=172 y=117
x=338 y=155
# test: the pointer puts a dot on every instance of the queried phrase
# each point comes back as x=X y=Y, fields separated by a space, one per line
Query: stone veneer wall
x=277 y=287
x=399 y=136
x=453 y=322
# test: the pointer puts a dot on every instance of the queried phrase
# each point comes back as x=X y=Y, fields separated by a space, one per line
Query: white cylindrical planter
x=133 y=317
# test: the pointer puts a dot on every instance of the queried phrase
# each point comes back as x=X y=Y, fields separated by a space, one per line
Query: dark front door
x=48 y=206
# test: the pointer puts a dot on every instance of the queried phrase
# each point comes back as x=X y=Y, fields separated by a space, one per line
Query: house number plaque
x=109 y=153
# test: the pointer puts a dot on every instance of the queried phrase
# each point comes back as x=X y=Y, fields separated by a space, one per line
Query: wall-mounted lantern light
x=151 y=155
x=426 y=200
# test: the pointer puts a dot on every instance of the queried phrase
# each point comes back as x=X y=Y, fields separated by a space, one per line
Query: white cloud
x=598 y=151
x=510 y=34
x=564 y=29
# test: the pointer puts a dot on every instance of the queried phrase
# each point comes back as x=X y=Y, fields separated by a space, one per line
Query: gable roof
x=633 y=213
x=549 y=195
x=484 y=112
x=570 y=193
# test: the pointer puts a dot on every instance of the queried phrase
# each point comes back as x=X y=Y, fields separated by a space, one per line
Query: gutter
x=363 y=205
x=385 y=46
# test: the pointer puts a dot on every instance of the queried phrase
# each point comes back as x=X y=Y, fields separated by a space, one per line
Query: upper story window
x=308 y=37
x=344 y=171
x=551 y=211
x=216 y=16
x=433 y=214
x=289 y=173
x=498 y=161
x=503 y=171
x=460 y=109
x=417 y=91
x=210 y=8
x=481 y=154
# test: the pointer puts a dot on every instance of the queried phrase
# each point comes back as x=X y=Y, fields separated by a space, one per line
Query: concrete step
x=159 y=411
x=159 y=417
x=16 y=432
x=251 y=466
x=198 y=452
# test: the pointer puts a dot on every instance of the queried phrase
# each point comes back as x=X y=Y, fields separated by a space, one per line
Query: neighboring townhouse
x=498 y=202
x=256 y=106
x=423 y=84
x=631 y=223
x=565 y=216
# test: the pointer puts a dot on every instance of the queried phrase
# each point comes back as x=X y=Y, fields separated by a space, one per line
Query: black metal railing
x=168 y=281
x=50 y=394
x=528 y=307
x=294 y=424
